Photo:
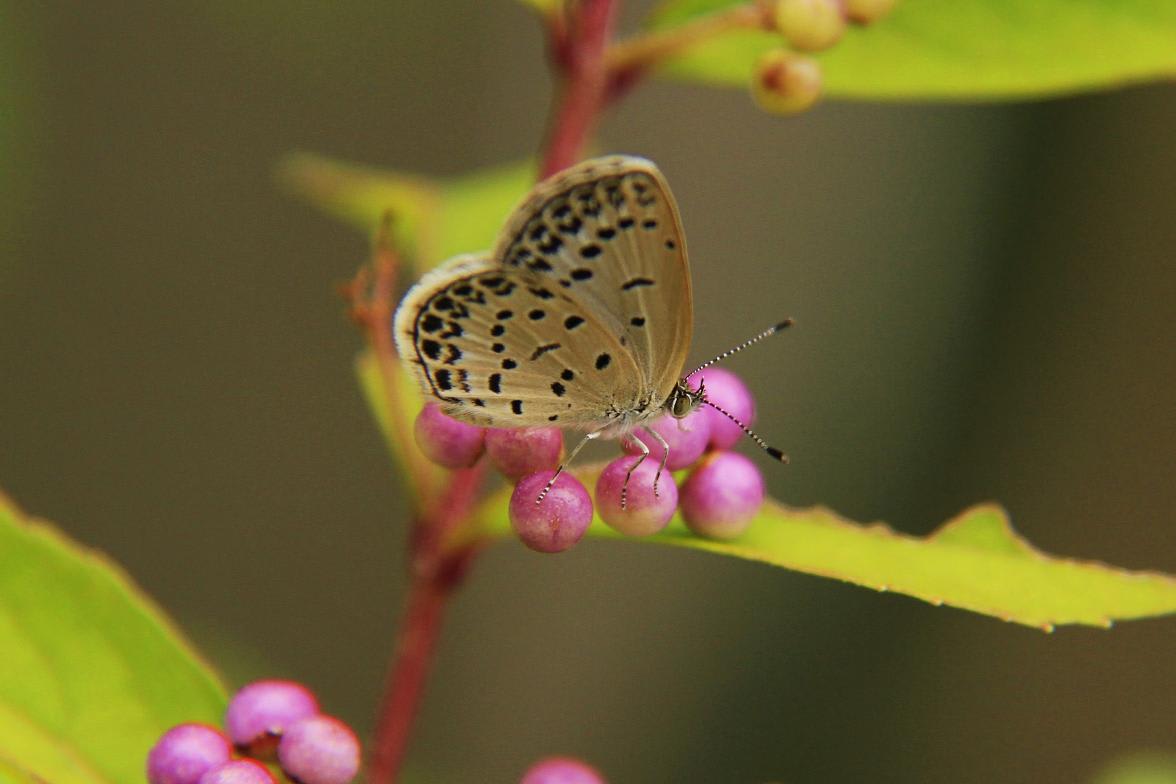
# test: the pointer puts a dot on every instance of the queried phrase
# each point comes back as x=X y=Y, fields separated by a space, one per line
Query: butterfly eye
x=682 y=403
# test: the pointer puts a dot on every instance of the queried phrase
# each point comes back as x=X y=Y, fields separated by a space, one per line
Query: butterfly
x=580 y=317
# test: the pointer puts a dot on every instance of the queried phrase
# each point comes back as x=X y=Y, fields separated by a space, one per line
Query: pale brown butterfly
x=580 y=317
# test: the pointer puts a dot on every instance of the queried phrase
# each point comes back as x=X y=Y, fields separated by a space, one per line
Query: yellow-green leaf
x=964 y=49
x=546 y=7
x=91 y=672
x=433 y=219
x=975 y=562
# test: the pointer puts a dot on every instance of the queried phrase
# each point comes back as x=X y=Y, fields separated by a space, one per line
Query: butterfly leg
x=665 y=456
x=632 y=468
x=568 y=461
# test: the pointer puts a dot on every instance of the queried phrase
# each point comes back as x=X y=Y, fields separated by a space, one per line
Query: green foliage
x=91 y=673
x=1143 y=768
x=964 y=49
x=432 y=219
x=975 y=562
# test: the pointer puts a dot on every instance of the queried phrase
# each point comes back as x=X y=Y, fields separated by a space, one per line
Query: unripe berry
x=786 y=83
x=810 y=25
x=319 y=750
x=727 y=391
x=521 y=451
x=559 y=520
x=446 y=441
x=561 y=770
x=644 y=513
x=259 y=713
x=687 y=438
x=722 y=495
x=867 y=11
x=242 y=771
x=185 y=753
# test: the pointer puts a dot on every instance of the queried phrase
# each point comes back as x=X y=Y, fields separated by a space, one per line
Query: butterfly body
x=581 y=316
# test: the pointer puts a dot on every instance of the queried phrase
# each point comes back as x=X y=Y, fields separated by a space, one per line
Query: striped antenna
x=767 y=333
x=764 y=445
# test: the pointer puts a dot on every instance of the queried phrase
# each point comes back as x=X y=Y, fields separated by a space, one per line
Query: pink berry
x=319 y=750
x=561 y=770
x=722 y=495
x=446 y=441
x=242 y=771
x=185 y=753
x=644 y=513
x=728 y=392
x=559 y=520
x=522 y=451
x=687 y=438
x=259 y=713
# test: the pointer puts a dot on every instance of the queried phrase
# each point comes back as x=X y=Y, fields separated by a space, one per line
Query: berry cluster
x=786 y=82
x=561 y=770
x=718 y=499
x=270 y=721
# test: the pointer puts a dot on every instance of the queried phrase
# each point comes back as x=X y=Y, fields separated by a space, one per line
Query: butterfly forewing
x=503 y=348
x=607 y=234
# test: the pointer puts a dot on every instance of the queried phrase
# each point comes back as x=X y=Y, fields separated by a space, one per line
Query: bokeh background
x=985 y=298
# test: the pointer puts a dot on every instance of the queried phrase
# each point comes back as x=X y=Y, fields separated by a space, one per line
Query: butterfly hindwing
x=502 y=348
x=607 y=233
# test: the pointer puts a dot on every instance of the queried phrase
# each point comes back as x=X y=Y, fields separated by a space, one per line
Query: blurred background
x=985 y=300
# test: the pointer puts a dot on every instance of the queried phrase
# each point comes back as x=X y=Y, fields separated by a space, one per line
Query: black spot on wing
x=537 y=314
x=543 y=350
x=567 y=375
x=432 y=323
x=431 y=349
x=571 y=322
x=602 y=361
x=517 y=407
x=637 y=321
x=558 y=388
x=443 y=380
x=634 y=283
x=509 y=364
x=495 y=383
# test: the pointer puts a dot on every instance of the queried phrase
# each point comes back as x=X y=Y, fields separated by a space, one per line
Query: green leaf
x=964 y=49
x=975 y=562
x=432 y=219
x=1141 y=768
x=91 y=672
x=546 y=7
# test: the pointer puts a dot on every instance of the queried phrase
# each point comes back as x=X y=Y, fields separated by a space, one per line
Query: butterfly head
x=683 y=399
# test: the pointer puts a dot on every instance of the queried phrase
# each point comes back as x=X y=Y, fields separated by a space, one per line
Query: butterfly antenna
x=767 y=333
x=764 y=445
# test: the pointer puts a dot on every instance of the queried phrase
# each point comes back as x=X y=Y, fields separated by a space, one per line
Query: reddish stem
x=436 y=573
x=579 y=41
x=585 y=82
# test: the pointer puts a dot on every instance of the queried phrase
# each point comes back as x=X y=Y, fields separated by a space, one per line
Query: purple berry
x=319 y=750
x=185 y=753
x=242 y=771
x=722 y=495
x=522 y=451
x=259 y=713
x=687 y=438
x=644 y=513
x=561 y=770
x=559 y=520
x=446 y=441
x=728 y=392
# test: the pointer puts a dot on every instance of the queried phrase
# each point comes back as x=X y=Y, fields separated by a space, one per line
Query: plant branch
x=583 y=88
x=578 y=43
x=627 y=60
